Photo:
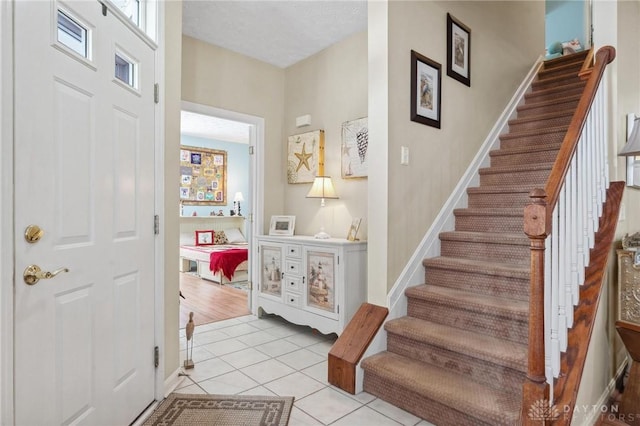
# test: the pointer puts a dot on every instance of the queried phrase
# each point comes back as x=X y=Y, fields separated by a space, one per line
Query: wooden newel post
x=535 y=388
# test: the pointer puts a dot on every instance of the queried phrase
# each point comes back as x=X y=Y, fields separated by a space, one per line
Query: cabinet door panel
x=321 y=273
x=271 y=270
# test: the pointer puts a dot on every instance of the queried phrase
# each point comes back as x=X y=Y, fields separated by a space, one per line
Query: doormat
x=222 y=410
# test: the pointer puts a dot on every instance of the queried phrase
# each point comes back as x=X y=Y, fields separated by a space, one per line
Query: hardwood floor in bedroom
x=209 y=301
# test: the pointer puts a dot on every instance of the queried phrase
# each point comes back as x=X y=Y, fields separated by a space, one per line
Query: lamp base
x=322 y=235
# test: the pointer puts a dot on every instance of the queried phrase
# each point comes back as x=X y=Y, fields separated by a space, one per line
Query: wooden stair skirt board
x=460 y=354
x=347 y=351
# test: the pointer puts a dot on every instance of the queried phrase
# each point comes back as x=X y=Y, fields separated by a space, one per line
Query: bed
x=221 y=263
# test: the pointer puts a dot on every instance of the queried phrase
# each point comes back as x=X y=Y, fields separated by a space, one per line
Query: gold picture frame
x=353 y=229
x=305 y=159
x=203 y=176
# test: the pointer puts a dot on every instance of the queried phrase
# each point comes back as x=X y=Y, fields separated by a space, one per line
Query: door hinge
x=250 y=217
x=156 y=224
x=104 y=9
x=156 y=93
x=251 y=150
x=156 y=356
x=338 y=308
x=250 y=285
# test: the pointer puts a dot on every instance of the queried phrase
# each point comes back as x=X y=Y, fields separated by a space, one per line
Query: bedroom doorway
x=218 y=199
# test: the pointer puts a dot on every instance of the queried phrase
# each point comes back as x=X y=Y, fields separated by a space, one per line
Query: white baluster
x=562 y=269
x=555 y=344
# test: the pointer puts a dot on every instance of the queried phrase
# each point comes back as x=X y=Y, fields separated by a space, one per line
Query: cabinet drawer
x=294 y=251
x=292 y=299
x=292 y=267
x=292 y=283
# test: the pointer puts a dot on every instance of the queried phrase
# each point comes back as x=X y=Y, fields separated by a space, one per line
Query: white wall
x=331 y=86
x=171 y=226
x=506 y=39
x=223 y=79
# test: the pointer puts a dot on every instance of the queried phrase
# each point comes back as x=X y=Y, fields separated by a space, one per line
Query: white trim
x=159 y=259
x=413 y=272
x=6 y=213
x=146 y=414
x=174 y=380
x=256 y=172
x=594 y=414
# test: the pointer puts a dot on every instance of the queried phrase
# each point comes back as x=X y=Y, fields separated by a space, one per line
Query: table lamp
x=322 y=188
x=237 y=199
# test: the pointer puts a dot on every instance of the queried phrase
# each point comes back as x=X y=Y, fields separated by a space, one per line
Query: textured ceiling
x=280 y=33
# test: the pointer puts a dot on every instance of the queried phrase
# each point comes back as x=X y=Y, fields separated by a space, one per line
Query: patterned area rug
x=222 y=410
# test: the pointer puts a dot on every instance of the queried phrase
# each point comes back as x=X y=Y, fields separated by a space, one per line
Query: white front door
x=84 y=173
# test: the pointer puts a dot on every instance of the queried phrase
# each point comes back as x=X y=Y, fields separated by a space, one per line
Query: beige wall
x=223 y=79
x=172 y=53
x=331 y=86
x=506 y=39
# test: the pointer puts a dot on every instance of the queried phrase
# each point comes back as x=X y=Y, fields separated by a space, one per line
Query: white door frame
x=7 y=209
x=256 y=139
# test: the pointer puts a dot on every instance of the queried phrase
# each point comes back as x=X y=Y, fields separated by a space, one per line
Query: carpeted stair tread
x=567 y=67
x=507 y=353
x=485 y=237
x=514 y=212
x=571 y=88
x=486 y=405
x=478 y=266
x=534 y=132
x=524 y=149
x=501 y=189
x=577 y=56
x=566 y=76
x=515 y=169
x=541 y=118
x=548 y=103
x=498 y=306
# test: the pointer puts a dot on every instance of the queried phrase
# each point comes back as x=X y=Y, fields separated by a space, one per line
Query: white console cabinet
x=314 y=282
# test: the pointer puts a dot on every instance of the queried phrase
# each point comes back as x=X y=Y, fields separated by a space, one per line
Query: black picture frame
x=458 y=51
x=426 y=85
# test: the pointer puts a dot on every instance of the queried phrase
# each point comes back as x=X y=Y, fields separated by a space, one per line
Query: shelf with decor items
x=316 y=282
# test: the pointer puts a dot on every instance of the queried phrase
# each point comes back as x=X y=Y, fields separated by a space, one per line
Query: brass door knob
x=33 y=273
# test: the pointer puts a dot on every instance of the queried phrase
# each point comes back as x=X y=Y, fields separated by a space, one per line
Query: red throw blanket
x=227 y=261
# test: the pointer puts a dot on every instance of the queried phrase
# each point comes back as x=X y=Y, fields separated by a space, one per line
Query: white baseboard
x=172 y=382
x=589 y=414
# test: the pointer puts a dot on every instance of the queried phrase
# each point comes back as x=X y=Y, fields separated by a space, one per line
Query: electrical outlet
x=623 y=216
x=404 y=155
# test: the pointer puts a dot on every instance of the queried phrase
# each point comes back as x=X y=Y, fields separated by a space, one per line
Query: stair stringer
x=413 y=272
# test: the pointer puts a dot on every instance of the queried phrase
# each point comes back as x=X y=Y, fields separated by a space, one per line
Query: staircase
x=459 y=357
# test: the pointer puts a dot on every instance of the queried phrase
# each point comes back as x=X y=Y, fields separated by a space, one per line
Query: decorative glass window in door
x=321 y=280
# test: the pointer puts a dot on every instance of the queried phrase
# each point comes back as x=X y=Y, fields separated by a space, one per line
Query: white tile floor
x=269 y=356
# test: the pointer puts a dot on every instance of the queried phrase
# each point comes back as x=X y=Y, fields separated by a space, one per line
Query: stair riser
x=537 y=96
x=533 y=140
x=554 y=83
x=493 y=252
x=490 y=324
x=491 y=200
x=540 y=124
x=504 y=224
x=547 y=109
x=425 y=408
x=525 y=158
x=527 y=177
x=559 y=70
x=487 y=373
x=509 y=288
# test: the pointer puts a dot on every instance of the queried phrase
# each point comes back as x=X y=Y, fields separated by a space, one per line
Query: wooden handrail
x=538 y=220
x=558 y=173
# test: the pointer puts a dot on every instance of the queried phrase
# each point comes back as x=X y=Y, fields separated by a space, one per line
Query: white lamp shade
x=633 y=143
x=322 y=188
x=238 y=197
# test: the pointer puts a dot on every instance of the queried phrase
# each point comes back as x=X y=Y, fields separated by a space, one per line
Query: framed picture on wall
x=355 y=143
x=305 y=158
x=425 y=90
x=203 y=176
x=458 y=51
